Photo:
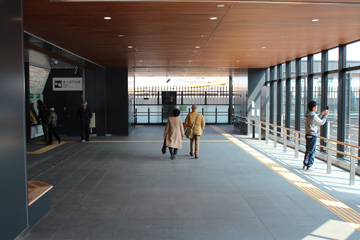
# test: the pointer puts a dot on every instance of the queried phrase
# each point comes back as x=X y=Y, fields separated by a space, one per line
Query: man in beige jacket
x=199 y=124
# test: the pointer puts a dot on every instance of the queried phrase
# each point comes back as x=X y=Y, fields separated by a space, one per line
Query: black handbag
x=163 y=149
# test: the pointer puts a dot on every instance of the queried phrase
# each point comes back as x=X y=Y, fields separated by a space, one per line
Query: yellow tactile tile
x=47 y=148
x=340 y=209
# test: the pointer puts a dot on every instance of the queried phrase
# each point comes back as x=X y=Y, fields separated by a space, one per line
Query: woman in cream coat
x=174 y=133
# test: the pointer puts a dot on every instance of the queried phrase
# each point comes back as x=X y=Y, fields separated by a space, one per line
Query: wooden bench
x=39 y=201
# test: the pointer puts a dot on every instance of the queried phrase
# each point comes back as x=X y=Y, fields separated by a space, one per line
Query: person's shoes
x=304 y=167
x=311 y=169
x=172 y=157
x=191 y=154
x=82 y=140
x=196 y=156
x=59 y=141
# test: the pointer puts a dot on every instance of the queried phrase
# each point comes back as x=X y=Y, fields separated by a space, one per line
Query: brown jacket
x=174 y=132
x=199 y=124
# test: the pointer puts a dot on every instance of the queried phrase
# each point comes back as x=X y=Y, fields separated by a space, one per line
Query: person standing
x=196 y=119
x=52 y=120
x=174 y=133
x=43 y=119
x=84 y=115
x=312 y=124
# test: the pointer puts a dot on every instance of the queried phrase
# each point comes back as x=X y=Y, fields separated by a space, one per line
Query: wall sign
x=67 y=84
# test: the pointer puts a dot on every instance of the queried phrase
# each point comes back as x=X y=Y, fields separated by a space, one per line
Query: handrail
x=293 y=130
x=326 y=139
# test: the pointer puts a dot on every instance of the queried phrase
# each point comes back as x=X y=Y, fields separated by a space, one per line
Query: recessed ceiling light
x=107 y=18
x=197 y=47
x=220 y=5
x=121 y=35
x=213 y=18
x=237 y=60
x=189 y=61
x=263 y=47
x=130 y=46
x=315 y=20
x=203 y=35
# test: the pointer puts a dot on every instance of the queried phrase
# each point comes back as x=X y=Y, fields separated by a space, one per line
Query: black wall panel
x=66 y=103
x=117 y=107
x=95 y=93
x=13 y=182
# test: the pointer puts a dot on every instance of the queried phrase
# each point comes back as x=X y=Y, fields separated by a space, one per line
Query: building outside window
x=352 y=108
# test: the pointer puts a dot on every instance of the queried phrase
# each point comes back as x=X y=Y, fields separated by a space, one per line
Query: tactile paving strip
x=340 y=209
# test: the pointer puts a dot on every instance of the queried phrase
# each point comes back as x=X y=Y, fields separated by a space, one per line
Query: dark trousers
x=46 y=132
x=173 y=151
x=85 y=131
x=310 y=150
x=52 y=132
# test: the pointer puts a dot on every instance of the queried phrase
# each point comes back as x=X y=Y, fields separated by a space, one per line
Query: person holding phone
x=312 y=124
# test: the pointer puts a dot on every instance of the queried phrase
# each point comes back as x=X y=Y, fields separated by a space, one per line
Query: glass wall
x=303 y=108
x=352 y=108
x=333 y=59
x=283 y=108
x=317 y=63
x=333 y=105
x=292 y=101
x=352 y=54
x=317 y=91
x=348 y=122
x=303 y=66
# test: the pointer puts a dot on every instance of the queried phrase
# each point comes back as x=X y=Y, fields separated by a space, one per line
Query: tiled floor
x=130 y=191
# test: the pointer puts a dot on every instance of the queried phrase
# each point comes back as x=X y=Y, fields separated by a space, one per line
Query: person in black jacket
x=43 y=119
x=84 y=115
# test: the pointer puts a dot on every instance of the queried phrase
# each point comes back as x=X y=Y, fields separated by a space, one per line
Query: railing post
x=266 y=135
x=260 y=131
x=328 y=169
x=284 y=143
x=148 y=115
x=162 y=115
x=296 y=145
x=216 y=115
x=253 y=131
x=275 y=137
x=352 y=168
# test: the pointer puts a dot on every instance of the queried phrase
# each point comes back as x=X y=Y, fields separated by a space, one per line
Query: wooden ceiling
x=164 y=35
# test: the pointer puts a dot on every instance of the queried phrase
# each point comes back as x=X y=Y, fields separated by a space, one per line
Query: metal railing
x=161 y=115
x=286 y=133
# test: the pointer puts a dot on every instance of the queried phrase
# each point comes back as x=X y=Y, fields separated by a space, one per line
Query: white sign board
x=67 y=84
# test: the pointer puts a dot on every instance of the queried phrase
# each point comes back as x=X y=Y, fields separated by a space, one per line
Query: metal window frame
x=297 y=93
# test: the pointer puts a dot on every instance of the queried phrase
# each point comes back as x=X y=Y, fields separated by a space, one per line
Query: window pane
x=292 y=106
x=283 y=69
x=275 y=73
x=333 y=57
x=303 y=104
x=275 y=103
x=332 y=103
x=292 y=69
x=283 y=108
x=352 y=54
x=303 y=66
x=352 y=109
x=317 y=91
x=317 y=63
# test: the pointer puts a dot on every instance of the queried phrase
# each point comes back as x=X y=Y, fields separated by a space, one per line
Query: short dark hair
x=311 y=105
x=176 y=112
